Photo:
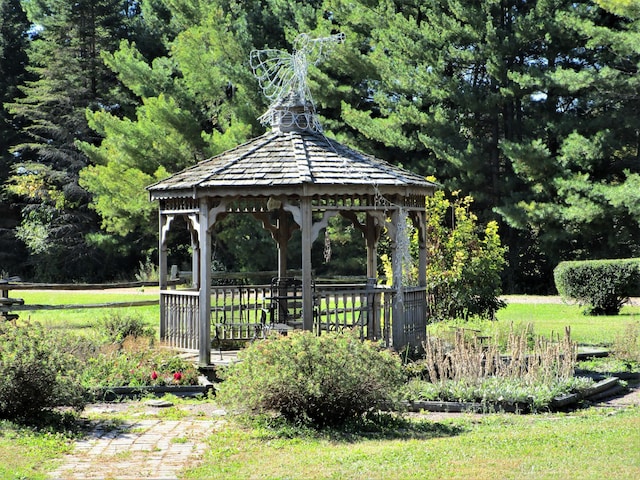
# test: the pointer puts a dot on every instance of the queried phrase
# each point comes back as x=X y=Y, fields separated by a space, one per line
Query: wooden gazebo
x=293 y=177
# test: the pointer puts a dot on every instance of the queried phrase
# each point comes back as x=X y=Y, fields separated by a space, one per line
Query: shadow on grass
x=52 y=421
x=381 y=426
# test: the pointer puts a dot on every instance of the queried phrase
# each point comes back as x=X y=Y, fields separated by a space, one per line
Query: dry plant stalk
x=470 y=360
x=625 y=345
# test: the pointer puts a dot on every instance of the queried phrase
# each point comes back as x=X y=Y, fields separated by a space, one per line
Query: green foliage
x=465 y=263
x=135 y=364
x=602 y=286
x=65 y=76
x=37 y=373
x=528 y=106
x=193 y=104
x=116 y=327
x=13 y=60
x=493 y=392
x=320 y=380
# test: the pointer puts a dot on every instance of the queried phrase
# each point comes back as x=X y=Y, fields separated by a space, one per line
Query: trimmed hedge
x=602 y=286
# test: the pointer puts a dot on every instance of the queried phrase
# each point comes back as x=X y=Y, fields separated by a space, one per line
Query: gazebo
x=293 y=177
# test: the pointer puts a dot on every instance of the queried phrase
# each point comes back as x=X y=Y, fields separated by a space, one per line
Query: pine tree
x=198 y=100
x=13 y=61
x=14 y=28
x=527 y=106
x=580 y=160
x=68 y=76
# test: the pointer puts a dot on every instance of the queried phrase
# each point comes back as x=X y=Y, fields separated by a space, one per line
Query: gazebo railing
x=243 y=312
x=238 y=312
x=411 y=306
x=179 y=318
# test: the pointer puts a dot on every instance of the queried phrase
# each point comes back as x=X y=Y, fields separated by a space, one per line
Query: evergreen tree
x=68 y=77
x=198 y=100
x=13 y=61
x=14 y=28
x=579 y=161
x=512 y=102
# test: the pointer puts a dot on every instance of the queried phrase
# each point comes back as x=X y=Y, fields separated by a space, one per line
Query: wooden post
x=204 y=300
x=307 y=290
x=397 y=315
x=419 y=221
x=162 y=272
x=195 y=258
x=371 y=237
x=283 y=234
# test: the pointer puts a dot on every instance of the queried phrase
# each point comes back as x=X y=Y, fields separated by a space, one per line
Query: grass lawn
x=27 y=453
x=82 y=320
x=552 y=318
x=590 y=444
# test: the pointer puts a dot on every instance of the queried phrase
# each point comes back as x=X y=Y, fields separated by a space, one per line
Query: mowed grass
x=83 y=320
x=549 y=319
x=590 y=444
x=27 y=453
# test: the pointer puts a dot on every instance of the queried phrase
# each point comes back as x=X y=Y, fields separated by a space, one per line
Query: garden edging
x=604 y=389
x=114 y=393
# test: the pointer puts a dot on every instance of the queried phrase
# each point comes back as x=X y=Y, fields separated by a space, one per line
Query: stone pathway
x=138 y=449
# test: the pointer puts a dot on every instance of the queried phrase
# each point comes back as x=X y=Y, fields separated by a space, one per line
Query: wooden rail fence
x=8 y=304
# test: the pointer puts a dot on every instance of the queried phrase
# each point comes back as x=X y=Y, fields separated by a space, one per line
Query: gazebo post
x=397 y=315
x=371 y=236
x=307 y=290
x=204 y=298
x=195 y=258
x=420 y=224
x=162 y=270
x=283 y=242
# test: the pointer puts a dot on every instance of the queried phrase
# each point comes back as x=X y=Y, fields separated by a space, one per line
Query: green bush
x=465 y=261
x=316 y=380
x=37 y=373
x=602 y=286
x=116 y=327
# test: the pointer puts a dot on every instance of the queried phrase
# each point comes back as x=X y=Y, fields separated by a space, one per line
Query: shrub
x=316 y=380
x=625 y=347
x=36 y=372
x=116 y=327
x=465 y=261
x=602 y=286
x=531 y=370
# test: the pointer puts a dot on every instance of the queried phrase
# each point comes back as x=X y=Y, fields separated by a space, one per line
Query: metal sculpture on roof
x=283 y=76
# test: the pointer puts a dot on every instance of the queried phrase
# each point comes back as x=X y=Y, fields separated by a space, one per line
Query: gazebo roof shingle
x=290 y=161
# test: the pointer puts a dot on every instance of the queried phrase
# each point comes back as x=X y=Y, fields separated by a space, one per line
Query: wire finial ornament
x=283 y=79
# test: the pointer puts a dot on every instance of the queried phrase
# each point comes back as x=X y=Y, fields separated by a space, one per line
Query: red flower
x=177 y=376
x=154 y=375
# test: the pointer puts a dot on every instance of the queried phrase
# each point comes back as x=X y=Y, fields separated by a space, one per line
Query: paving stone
x=141 y=449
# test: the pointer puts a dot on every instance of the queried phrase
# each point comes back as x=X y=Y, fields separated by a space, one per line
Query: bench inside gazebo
x=293 y=177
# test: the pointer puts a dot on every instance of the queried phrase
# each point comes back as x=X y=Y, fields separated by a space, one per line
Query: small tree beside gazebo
x=294 y=177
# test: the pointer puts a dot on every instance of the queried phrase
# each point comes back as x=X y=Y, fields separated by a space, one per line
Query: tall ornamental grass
x=531 y=371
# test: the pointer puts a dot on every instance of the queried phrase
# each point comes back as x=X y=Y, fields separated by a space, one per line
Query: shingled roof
x=290 y=162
